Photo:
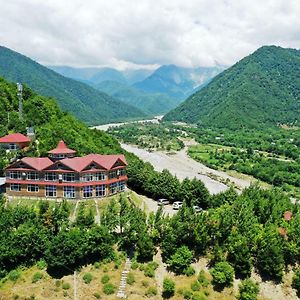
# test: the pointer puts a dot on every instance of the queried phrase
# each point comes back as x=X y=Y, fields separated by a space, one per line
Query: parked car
x=163 y=202
x=177 y=205
x=197 y=209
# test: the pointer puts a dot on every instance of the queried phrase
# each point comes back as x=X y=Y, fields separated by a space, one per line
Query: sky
x=133 y=34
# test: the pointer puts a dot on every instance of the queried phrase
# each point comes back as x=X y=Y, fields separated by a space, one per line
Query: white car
x=177 y=205
x=163 y=202
x=197 y=209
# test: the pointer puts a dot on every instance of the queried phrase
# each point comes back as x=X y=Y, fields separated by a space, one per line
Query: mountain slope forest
x=86 y=103
x=263 y=89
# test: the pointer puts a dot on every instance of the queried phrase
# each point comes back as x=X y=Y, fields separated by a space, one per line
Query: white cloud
x=129 y=33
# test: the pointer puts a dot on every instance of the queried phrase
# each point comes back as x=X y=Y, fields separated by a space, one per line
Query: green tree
x=181 y=259
x=168 y=288
x=248 y=290
x=222 y=274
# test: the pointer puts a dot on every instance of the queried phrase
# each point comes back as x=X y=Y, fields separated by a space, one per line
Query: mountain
x=85 y=102
x=98 y=75
x=177 y=82
x=150 y=104
x=263 y=89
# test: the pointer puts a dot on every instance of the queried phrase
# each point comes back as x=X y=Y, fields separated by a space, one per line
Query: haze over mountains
x=86 y=103
x=263 y=89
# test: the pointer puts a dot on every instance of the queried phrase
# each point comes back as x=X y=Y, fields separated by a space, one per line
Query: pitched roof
x=38 y=163
x=15 y=138
x=288 y=215
x=61 y=148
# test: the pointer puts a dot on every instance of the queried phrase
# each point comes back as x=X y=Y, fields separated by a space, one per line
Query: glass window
x=112 y=174
x=113 y=188
x=122 y=172
x=69 y=191
x=50 y=191
x=16 y=187
x=12 y=147
x=32 y=188
x=87 y=191
x=32 y=176
x=69 y=177
x=15 y=175
x=99 y=176
x=87 y=177
x=100 y=190
x=121 y=186
x=50 y=176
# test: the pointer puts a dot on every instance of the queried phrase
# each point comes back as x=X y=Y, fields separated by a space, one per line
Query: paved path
x=73 y=216
x=122 y=288
x=97 y=217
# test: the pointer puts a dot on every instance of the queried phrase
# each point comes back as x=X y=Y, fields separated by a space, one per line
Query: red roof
x=77 y=164
x=288 y=215
x=62 y=149
x=15 y=138
x=38 y=163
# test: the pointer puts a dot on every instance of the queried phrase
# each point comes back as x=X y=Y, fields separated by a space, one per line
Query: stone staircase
x=121 y=292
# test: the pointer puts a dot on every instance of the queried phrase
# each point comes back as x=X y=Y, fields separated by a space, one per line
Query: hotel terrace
x=62 y=175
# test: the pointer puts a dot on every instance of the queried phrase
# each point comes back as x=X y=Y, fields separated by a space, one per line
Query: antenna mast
x=20 y=96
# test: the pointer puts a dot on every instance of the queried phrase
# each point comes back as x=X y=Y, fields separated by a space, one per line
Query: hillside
x=86 y=103
x=263 y=89
x=150 y=104
x=177 y=82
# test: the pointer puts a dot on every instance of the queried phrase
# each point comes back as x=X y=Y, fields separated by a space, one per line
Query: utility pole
x=20 y=96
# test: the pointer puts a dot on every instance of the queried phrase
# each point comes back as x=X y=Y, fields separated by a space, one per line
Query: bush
x=187 y=294
x=204 y=282
x=109 y=289
x=151 y=291
x=181 y=260
x=195 y=286
x=57 y=283
x=105 y=279
x=97 y=295
x=130 y=279
x=66 y=285
x=199 y=296
x=150 y=268
x=296 y=280
x=14 y=275
x=97 y=265
x=87 y=278
x=248 y=290
x=134 y=265
x=189 y=271
x=145 y=283
x=36 y=277
x=222 y=274
x=168 y=288
x=41 y=264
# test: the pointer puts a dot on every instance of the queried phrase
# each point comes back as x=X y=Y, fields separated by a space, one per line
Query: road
x=181 y=165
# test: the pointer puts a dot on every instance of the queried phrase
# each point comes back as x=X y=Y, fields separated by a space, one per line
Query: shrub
x=97 y=265
x=296 y=280
x=199 y=296
x=187 y=294
x=134 y=265
x=248 y=290
x=168 y=288
x=181 y=260
x=150 y=268
x=41 y=264
x=105 y=279
x=195 y=286
x=204 y=282
x=97 y=295
x=189 y=271
x=222 y=274
x=109 y=289
x=130 y=278
x=151 y=291
x=66 y=285
x=65 y=293
x=145 y=283
x=87 y=278
x=36 y=277
x=57 y=283
x=141 y=267
x=105 y=270
x=14 y=275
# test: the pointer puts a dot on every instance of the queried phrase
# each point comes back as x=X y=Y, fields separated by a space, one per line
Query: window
x=122 y=172
x=32 y=176
x=34 y=188
x=113 y=188
x=50 y=191
x=87 y=191
x=100 y=176
x=121 y=186
x=112 y=174
x=14 y=175
x=100 y=190
x=12 y=147
x=87 y=177
x=16 y=187
x=69 y=177
x=50 y=176
x=69 y=191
